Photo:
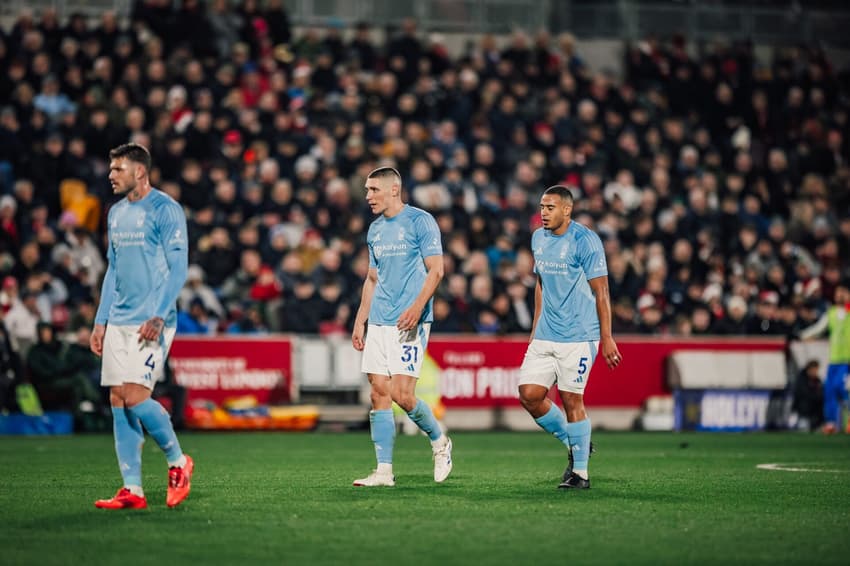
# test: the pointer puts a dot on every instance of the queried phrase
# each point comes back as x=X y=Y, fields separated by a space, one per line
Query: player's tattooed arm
x=151 y=329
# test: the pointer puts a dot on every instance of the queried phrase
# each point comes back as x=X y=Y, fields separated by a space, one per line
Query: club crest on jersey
x=565 y=250
x=538 y=251
x=140 y=221
x=401 y=234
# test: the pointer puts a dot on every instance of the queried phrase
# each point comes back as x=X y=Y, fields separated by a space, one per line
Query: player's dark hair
x=383 y=172
x=134 y=152
x=561 y=191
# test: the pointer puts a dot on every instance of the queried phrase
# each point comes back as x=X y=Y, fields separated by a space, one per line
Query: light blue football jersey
x=397 y=248
x=148 y=258
x=564 y=264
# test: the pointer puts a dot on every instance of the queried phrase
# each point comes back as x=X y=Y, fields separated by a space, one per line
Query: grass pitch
x=287 y=499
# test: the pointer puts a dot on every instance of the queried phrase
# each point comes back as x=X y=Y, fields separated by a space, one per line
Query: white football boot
x=376 y=479
x=443 y=461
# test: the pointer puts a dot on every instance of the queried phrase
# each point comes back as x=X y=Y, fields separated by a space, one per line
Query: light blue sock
x=555 y=423
x=129 y=438
x=158 y=424
x=424 y=418
x=383 y=434
x=580 y=443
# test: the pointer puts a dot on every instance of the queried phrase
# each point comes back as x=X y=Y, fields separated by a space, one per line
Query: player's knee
x=530 y=405
x=573 y=401
x=133 y=394
x=116 y=398
x=574 y=406
x=405 y=400
x=380 y=399
x=530 y=398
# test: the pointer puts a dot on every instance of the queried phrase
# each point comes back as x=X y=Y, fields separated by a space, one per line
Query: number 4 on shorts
x=149 y=362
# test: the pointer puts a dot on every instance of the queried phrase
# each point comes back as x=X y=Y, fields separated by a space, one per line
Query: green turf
x=286 y=499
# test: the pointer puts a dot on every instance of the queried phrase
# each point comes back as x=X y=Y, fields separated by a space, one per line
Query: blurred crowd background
x=719 y=184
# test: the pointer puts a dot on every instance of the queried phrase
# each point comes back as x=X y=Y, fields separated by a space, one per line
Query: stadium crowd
x=720 y=186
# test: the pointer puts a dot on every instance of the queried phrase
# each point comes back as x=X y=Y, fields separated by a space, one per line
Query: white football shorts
x=390 y=351
x=567 y=364
x=126 y=360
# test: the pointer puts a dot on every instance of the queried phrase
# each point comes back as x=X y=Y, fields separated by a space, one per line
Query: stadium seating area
x=720 y=185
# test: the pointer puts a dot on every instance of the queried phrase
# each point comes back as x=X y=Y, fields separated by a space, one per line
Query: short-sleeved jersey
x=398 y=247
x=144 y=237
x=564 y=264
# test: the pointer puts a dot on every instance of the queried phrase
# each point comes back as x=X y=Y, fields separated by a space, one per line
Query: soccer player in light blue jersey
x=572 y=322
x=136 y=321
x=405 y=267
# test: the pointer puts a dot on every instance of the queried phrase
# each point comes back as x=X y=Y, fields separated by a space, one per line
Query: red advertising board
x=223 y=367
x=484 y=372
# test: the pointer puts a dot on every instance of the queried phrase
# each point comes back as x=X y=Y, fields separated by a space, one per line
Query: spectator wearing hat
x=765 y=318
x=22 y=320
x=266 y=292
x=10 y=238
x=9 y=293
x=195 y=288
x=736 y=321
x=650 y=317
x=196 y=319
x=231 y=151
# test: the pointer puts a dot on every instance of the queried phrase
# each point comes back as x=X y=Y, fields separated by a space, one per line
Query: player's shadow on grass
x=469 y=488
x=115 y=521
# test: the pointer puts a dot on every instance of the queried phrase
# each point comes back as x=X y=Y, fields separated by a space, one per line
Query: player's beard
x=130 y=186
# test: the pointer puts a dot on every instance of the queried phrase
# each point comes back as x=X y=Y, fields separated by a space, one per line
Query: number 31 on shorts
x=410 y=353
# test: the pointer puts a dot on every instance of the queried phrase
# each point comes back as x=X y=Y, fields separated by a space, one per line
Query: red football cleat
x=124 y=499
x=179 y=483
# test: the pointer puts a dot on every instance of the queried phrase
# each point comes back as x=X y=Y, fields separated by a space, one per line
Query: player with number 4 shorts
x=135 y=323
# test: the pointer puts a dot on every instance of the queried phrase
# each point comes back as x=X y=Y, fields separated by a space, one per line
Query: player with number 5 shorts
x=405 y=267
x=572 y=323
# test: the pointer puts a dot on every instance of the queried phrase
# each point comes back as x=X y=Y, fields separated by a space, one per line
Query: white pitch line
x=789 y=468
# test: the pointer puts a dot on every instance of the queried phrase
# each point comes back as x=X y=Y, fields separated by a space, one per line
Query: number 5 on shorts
x=582 y=366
